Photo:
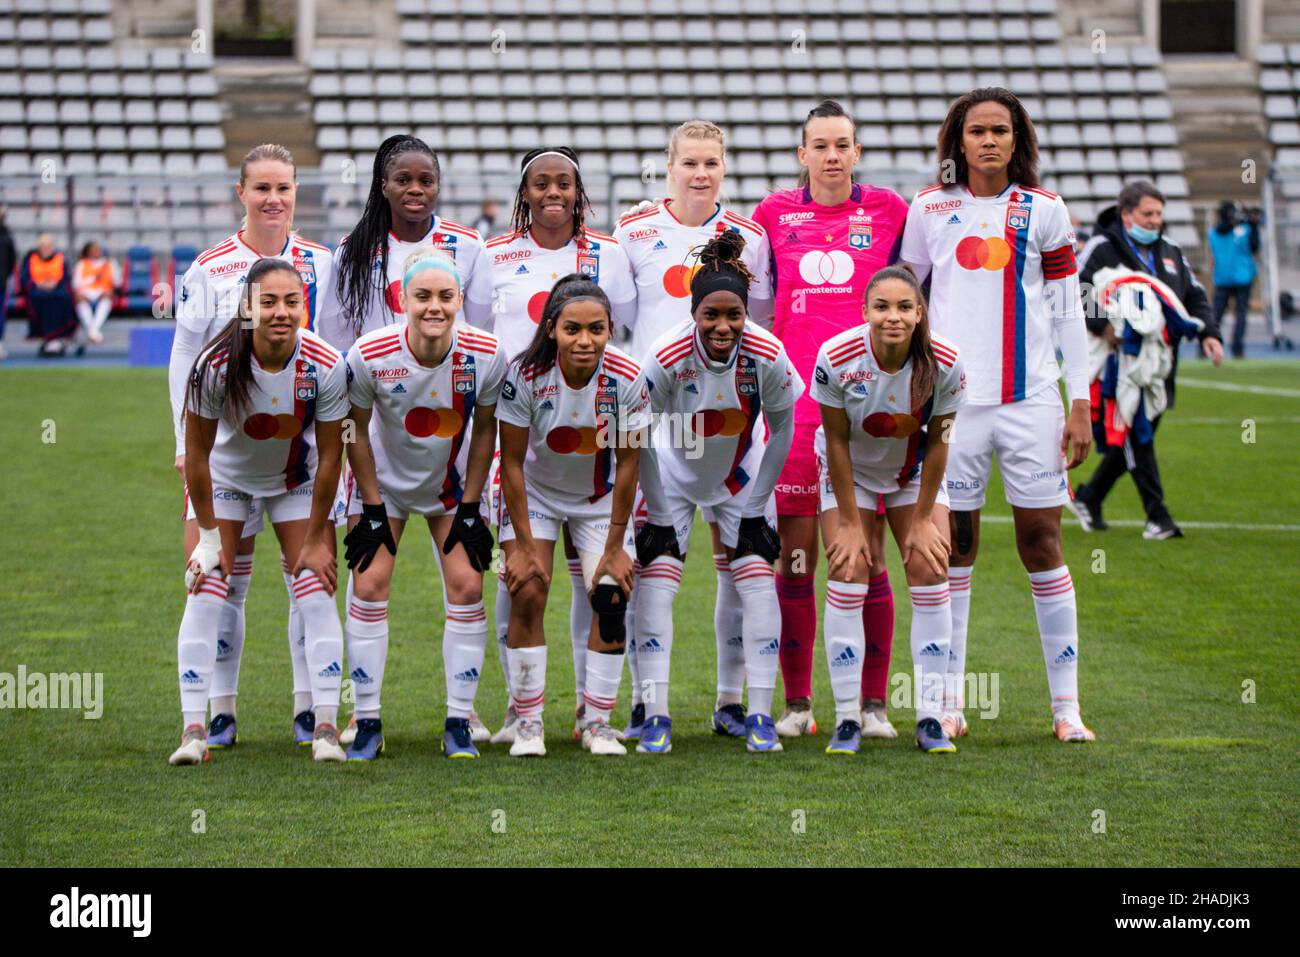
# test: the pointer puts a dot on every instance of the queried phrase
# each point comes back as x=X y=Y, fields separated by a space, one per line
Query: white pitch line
x=1137 y=523
x=1236 y=387
x=1238 y=422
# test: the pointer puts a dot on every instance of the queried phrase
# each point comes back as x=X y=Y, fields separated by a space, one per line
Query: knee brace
x=610 y=605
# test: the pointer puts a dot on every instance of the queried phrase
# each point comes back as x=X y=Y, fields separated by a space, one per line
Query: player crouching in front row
x=414 y=388
x=573 y=417
x=889 y=393
x=264 y=411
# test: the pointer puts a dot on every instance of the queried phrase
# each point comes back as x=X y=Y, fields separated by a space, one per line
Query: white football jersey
x=569 y=468
x=991 y=258
x=664 y=253
x=886 y=432
x=462 y=245
x=523 y=274
x=420 y=424
x=721 y=403
x=272 y=449
x=209 y=297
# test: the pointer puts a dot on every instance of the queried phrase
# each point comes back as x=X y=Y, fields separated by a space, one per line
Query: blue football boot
x=729 y=721
x=458 y=740
x=633 y=730
x=221 y=731
x=760 y=734
x=304 y=727
x=369 y=742
x=656 y=735
x=931 y=739
x=847 y=738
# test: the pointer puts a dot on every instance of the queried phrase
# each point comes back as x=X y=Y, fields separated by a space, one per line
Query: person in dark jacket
x=1234 y=240
x=46 y=280
x=1129 y=235
x=8 y=260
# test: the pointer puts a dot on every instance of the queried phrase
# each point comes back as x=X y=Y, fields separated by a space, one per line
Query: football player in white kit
x=263 y=423
x=209 y=295
x=1004 y=288
x=713 y=380
x=549 y=239
x=889 y=392
x=398 y=219
x=415 y=386
x=663 y=241
x=573 y=417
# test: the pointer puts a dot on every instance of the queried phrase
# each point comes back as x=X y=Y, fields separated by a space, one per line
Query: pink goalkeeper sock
x=878 y=623
x=798 y=603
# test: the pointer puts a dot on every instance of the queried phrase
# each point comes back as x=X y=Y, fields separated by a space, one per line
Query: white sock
x=604 y=672
x=629 y=649
x=658 y=586
x=464 y=641
x=501 y=611
x=845 y=645
x=728 y=629
x=367 y=641
x=931 y=638
x=196 y=647
x=298 y=644
x=528 y=681
x=1059 y=628
x=320 y=618
x=579 y=625
x=959 y=580
x=230 y=639
x=755 y=583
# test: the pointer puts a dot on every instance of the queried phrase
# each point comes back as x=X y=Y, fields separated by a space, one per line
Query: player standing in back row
x=1000 y=253
x=828 y=238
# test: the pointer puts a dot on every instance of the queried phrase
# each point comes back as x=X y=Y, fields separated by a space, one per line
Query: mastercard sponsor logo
x=536 y=304
x=677 y=280
x=391 y=297
x=713 y=422
x=975 y=252
x=262 y=426
x=834 y=268
x=423 y=422
x=890 y=425
x=566 y=440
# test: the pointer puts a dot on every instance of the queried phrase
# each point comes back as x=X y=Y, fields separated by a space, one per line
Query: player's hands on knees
x=522 y=565
x=615 y=563
x=849 y=548
x=365 y=538
x=1076 y=437
x=757 y=537
x=318 y=558
x=469 y=529
x=929 y=546
x=180 y=466
x=207 y=555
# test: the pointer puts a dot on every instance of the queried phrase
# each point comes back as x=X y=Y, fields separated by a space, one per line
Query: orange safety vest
x=94 y=280
x=45 y=270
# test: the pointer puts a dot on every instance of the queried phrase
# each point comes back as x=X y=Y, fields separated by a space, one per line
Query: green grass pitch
x=1184 y=771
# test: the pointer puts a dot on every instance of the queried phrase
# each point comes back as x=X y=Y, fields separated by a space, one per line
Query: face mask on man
x=1142 y=235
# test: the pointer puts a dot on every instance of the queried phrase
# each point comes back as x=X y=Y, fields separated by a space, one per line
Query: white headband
x=550 y=153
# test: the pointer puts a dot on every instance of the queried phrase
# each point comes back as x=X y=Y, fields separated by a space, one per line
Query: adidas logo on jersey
x=470 y=675
x=398 y=389
x=771 y=648
x=223 y=647
x=522 y=270
x=953 y=220
x=360 y=677
x=548 y=404
x=651 y=645
x=931 y=649
x=191 y=677
x=858 y=389
x=690 y=387
x=1067 y=656
x=844 y=658
x=332 y=670
x=660 y=245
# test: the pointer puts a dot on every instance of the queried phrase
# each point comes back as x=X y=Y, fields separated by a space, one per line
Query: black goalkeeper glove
x=655 y=540
x=471 y=531
x=758 y=538
x=363 y=542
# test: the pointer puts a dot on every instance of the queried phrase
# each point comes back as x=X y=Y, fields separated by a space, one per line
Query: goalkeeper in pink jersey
x=828 y=238
x=1004 y=288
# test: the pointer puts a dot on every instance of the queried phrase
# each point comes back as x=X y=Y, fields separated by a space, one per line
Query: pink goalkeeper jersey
x=822 y=259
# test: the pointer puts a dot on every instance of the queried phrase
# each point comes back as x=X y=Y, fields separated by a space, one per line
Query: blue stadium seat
x=140 y=272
